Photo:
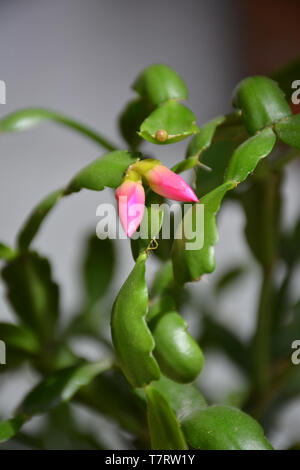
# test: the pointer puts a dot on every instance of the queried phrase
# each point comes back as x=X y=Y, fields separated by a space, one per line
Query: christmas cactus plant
x=149 y=382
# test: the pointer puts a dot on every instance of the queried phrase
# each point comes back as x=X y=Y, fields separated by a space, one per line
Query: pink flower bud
x=168 y=184
x=131 y=204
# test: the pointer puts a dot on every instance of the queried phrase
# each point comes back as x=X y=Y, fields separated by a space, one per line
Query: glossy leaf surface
x=288 y=131
x=177 y=353
x=174 y=118
x=191 y=264
x=204 y=137
x=247 y=155
x=224 y=428
x=159 y=83
x=165 y=430
x=131 y=336
x=183 y=398
x=261 y=101
x=107 y=170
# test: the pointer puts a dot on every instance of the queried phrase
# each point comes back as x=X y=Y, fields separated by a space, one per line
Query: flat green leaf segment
x=58 y=388
x=10 y=427
x=174 y=118
x=19 y=338
x=223 y=428
x=131 y=119
x=6 y=253
x=32 y=292
x=288 y=131
x=184 y=399
x=261 y=101
x=106 y=171
x=246 y=157
x=36 y=218
x=131 y=336
x=203 y=139
x=214 y=158
x=198 y=144
x=61 y=386
x=31 y=117
x=191 y=264
x=177 y=353
x=159 y=83
x=98 y=269
x=165 y=430
x=211 y=427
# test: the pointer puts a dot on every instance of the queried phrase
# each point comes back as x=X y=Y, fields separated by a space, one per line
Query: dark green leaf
x=98 y=268
x=162 y=279
x=149 y=229
x=261 y=101
x=165 y=430
x=217 y=336
x=107 y=170
x=262 y=203
x=285 y=76
x=111 y=395
x=177 y=120
x=286 y=334
x=230 y=277
x=132 y=339
x=64 y=431
x=165 y=242
x=32 y=292
x=288 y=130
x=61 y=386
x=30 y=117
x=19 y=337
x=160 y=83
x=131 y=119
x=193 y=255
x=247 y=155
x=36 y=218
x=214 y=159
x=289 y=245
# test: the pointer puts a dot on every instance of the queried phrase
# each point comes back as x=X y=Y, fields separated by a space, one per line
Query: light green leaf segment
x=131 y=336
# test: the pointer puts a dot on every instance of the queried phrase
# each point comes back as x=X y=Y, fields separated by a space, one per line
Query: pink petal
x=168 y=184
x=131 y=204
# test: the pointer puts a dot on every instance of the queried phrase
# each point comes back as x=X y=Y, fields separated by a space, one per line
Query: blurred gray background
x=80 y=57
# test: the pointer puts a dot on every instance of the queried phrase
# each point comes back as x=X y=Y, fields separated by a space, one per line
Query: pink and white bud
x=168 y=184
x=131 y=204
